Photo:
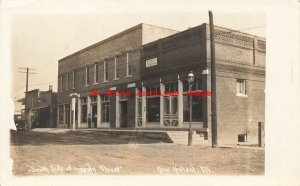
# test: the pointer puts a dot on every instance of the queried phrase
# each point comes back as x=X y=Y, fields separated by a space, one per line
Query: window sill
x=241 y=95
x=116 y=79
x=95 y=83
x=128 y=76
x=86 y=85
x=105 y=81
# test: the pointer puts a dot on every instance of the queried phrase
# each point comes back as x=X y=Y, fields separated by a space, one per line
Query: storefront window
x=174 y=101
x=197 y=109
x=166 y=105
x=67 y=114
x=197 y=102
x=104 y=109
x=170 y=104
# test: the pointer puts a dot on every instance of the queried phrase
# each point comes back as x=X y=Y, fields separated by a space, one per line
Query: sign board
x=151 y=62
x=131 y=85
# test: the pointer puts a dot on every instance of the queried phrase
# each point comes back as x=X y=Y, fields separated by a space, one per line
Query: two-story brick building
x=146 y=58
x=111 y=64
x=240 y=71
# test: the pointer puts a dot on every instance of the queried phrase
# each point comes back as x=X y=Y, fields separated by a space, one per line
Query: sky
x=41 y=38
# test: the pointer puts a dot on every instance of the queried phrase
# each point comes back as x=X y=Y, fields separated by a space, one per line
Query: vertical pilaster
x=70 y=115
x=180 y=103
x=161 y=101
x=144 y=107
x=208 y=109
x=88 y=105
x=136 y=107
x=117 y=112
x=98 y=111
x=79 y=112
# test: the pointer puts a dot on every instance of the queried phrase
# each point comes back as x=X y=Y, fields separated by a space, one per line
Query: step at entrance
x=181 y=138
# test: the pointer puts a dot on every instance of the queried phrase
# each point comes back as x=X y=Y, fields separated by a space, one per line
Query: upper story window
x=87 y=79
x=67 y=81
x=61 y=82
x=241 y=87
x=116 y=68
x=73 y=79
x=96 y=73
x=105 y=66
x=128 y=65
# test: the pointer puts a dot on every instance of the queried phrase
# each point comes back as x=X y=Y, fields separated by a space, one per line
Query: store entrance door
x=123 y=114
x=94 y=115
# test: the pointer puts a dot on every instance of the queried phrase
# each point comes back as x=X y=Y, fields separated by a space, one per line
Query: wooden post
x=214 y=133
x=261 y=134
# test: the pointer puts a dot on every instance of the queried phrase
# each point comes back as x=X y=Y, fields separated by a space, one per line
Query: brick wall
x=239 y=56
x=175 y=54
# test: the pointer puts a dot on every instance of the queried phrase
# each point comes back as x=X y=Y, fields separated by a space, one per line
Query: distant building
x=146 y=58
x=41 y=107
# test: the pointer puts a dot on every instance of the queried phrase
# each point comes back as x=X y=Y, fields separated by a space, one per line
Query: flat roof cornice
x=103 y=41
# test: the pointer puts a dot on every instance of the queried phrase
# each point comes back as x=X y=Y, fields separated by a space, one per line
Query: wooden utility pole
x=27 y=73
x=214 y=133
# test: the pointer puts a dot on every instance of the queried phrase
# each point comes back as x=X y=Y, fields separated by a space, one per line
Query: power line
x=27 y=73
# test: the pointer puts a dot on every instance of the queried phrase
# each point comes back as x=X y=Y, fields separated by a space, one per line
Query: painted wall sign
x=151 y=62
x=131 y=85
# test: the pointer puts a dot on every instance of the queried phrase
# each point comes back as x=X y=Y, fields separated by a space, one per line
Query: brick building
x=146 y=58
x=110 y=64
x=41 y=107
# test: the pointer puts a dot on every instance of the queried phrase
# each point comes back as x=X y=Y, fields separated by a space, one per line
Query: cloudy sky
x=44 y=32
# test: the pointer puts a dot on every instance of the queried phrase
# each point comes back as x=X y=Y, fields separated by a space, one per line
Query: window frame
x=67 y=81
x=96 y=73
x=87 y=79
x=105 y=69
x=73 y=79
x=241 y=87
x=116 y=70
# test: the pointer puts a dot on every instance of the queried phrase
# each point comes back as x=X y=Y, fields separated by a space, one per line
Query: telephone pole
x=214 y=133
x=27 y=71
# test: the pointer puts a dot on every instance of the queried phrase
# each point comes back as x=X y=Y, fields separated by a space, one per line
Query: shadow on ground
x=33 y=138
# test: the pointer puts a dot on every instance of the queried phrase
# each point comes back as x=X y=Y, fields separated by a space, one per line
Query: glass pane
x=67 y=114
x=186 y=110
x=197 y=112
x=105 y=112
x=84 y=113
x=166 y=105
x=174 y=106
x=197 y=109
x=61 y=114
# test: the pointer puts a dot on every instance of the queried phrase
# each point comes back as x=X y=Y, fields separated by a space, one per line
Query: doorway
x=94 y=115
x=123 y=114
